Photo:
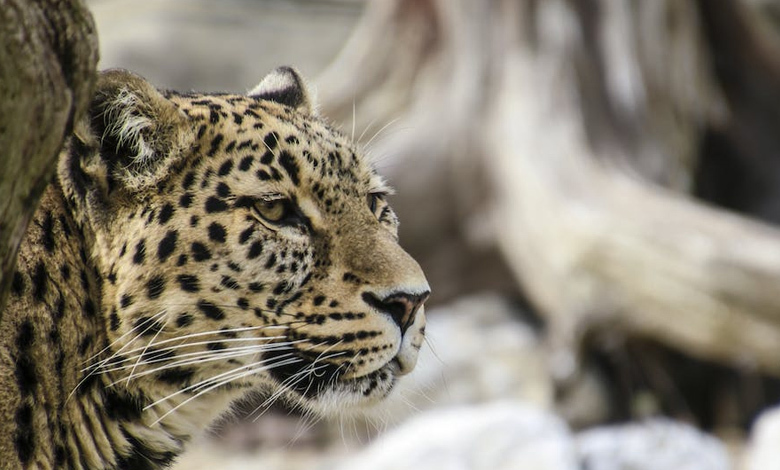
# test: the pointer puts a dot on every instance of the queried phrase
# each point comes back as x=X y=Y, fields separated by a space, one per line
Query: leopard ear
x=285 y=85
x=132 y=136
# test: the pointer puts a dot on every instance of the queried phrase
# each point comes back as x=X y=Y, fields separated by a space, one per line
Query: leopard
x=192 y=250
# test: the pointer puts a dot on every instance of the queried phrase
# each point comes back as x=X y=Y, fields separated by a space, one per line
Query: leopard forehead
x=284 y=150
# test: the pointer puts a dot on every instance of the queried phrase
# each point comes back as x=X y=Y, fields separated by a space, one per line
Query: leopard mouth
x=311 y=379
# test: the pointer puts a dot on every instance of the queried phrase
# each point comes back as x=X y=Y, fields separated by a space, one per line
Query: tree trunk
x=47 y=69
x=571 y=134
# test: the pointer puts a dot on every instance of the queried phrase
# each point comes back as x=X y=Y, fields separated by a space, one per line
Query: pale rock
x=655 y=444
x=763 y=450
x=498 y=436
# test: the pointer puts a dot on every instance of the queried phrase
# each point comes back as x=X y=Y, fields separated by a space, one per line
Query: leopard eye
x=375 y=202
x=278 y=212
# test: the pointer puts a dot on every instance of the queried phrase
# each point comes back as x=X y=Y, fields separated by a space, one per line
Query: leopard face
x=244 y=245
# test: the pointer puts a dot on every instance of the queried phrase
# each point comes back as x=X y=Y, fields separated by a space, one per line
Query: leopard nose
x=401 y=306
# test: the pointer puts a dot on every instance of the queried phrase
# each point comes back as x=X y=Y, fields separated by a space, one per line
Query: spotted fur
x=193 y=249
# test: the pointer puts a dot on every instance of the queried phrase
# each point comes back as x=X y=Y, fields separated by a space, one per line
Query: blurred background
x=592 y=187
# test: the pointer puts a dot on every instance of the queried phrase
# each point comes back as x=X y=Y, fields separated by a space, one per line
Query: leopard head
x=245 y=245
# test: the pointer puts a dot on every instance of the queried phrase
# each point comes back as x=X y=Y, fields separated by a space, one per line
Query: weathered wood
x=570 y=133
x=48 y=57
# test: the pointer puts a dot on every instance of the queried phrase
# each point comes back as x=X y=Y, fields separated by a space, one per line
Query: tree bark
x=48 y=59
x=571 y=134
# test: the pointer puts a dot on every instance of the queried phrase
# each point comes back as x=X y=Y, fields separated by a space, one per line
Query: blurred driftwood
x=48 y=56
x=571 y=134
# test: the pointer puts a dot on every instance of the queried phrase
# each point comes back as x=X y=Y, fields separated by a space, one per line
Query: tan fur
x=152 y=293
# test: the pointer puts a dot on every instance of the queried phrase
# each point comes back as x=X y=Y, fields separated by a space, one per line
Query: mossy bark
x=48 y=59
x=573 y=136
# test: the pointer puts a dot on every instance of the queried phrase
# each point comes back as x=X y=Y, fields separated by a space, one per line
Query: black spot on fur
x=175 y=375
x=223 y=190
x=140 y=252
x=229 y=283
x=115 y=322
x=185 y=200
x=255 y=250
x=84 y=279
x=141 y=457
x=147 y=327
x=60 y=456
x=214 y=204
x=267 y=157
x=18 y=284
x=24 y=438
x=245 y=202
x=211 y=310
x=189 y=282
x=200 y=252
x=77 y=175
x=245 y=234
x=155 y=286
x=271 y=261
x=281 y=287
x=185 y=319
x=263 y=175
x=215 y=143
x=189 y=180
x=225 y=168
x=290 y=166
x=256 y=286
x=126 y=301
x=165 y=213
x=84 y=345
x=39 y=281
x=319 y=300
x=234 y=266
x=271 y=140
x=201 y=131
x=59 y=309
x=65 y=226
x=121 y=406
x=89 y=308
x=246 y=163
x=47 y=232
x=167 y=245
x=26 y=376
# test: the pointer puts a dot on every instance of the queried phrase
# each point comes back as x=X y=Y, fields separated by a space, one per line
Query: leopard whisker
x=293 y=380
x=253 y=371
x=96 y=366
x=377 y=133
x=146 y=347
x=192 y=362
x=149 y=322
x=366 y=129
x=182 y=345
x=200 y=357
x=429 y=342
